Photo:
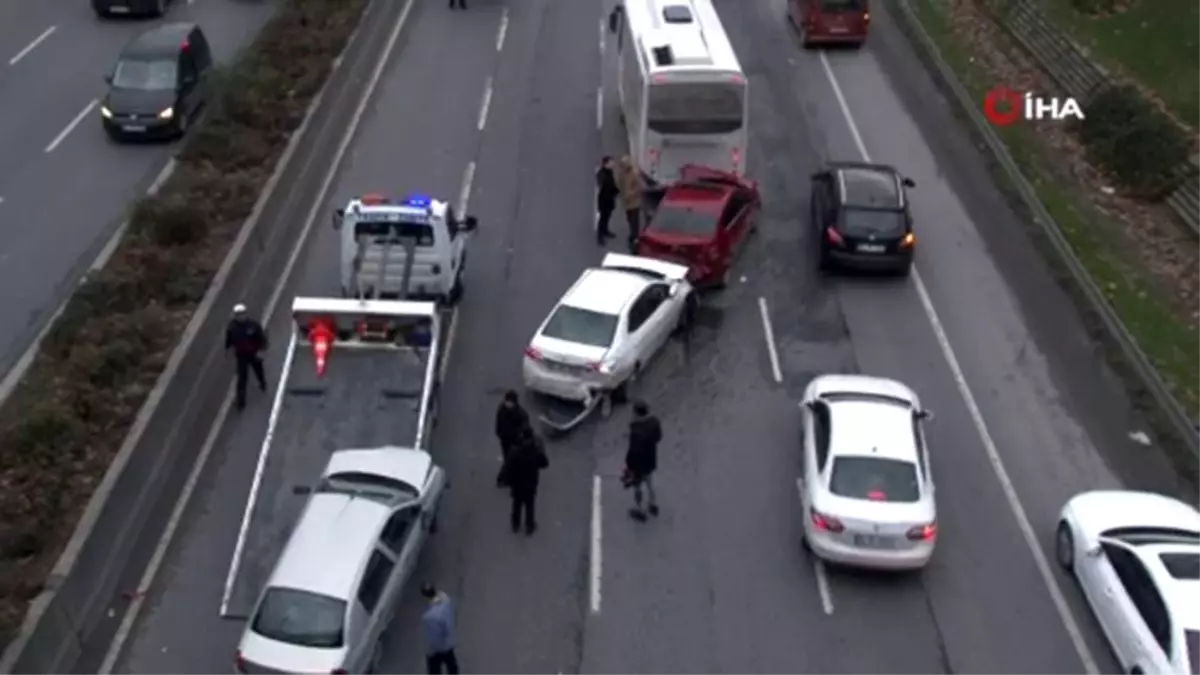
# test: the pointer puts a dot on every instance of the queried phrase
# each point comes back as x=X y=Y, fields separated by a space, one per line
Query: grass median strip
x=1167 y=335
x=68 y=416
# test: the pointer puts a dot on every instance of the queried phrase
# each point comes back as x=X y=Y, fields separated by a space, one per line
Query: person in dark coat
x=248 y=340
x=525 y=465
x=606 y=198
x=641 y=460
x=511 y=421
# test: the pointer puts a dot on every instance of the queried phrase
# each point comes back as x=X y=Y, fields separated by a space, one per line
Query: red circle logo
x=1002 y=106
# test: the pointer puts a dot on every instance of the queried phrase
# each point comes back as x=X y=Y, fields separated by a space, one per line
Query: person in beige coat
x=632 y=187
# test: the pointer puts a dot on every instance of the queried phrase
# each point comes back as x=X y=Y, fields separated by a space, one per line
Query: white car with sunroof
x=606 y=328
x=867 y=485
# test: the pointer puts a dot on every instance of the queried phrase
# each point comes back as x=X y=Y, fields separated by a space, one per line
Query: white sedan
x=1136 y=556
x=607 y=328
x=867 y=488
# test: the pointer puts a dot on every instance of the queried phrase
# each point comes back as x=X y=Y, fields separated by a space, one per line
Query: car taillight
x=239 y=664
x=533 y=353
x=832 y=236
x=594 y=367
x=825 y=523
x=735 y=154
x=924 y=532
x=866 y=17
x=908 y=240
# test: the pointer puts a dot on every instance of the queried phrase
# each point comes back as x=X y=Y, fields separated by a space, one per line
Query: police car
x=410 y=248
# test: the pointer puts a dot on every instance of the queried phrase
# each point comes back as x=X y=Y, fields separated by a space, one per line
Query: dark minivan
x=830 y=21
x=158 y=85
x=106 y=8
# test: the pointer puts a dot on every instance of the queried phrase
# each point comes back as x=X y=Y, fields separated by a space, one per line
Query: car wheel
x=1064 y=546
x=621 y=393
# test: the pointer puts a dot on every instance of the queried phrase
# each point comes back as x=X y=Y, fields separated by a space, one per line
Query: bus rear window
x=695 y=107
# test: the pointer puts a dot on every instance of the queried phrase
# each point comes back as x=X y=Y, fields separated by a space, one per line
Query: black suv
x=860 y=212
x=159 y=84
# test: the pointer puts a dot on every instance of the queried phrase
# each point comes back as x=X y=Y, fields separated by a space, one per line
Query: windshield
x=685 y=221
x=876 y=222
x=300 y=618
x=581 y=326
x=874 y=478
x=421 y=234
x=696 y=107
x=145 y=75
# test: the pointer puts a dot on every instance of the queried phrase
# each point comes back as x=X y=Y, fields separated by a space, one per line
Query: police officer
x=248 y=340
x=511 y=421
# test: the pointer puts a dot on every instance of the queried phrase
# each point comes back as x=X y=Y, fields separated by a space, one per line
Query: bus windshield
x=695 y=108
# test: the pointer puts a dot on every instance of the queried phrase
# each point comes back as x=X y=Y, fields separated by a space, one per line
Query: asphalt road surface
x=1026 y=412
x=64 y=186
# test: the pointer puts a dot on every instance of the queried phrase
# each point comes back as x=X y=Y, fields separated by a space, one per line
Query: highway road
x=1027 y=414
x=56 y=159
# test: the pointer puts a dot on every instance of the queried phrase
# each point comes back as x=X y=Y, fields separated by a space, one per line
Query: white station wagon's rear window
x=875 y=479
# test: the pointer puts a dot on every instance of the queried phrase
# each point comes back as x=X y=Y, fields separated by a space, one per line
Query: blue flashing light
x=418 y=201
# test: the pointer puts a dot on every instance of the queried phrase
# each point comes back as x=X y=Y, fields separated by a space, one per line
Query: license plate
x=871 y=541
x=839 y=29
x=133 y=127
x=870 y=248
x=565 y=368
x=118 y=9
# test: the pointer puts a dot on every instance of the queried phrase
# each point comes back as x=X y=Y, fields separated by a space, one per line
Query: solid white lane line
x=451 y=331
x=32 y=45
x=596 y=567
x=776 y=371
x=160 y=550
x=818 y=566
x=319 y=203
x=989 y=445
x=71 y=125
x=600 y=107
x=487 y=102
x=464 y=196
x=503 y=31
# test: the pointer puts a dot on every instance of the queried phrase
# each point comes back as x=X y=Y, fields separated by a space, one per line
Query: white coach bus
x=684 y=98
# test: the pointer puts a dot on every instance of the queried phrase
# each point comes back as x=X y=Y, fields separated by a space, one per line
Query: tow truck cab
x=413 y=248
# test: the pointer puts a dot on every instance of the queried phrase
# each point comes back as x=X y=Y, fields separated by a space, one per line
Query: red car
x=830 y=21
x=701 y=221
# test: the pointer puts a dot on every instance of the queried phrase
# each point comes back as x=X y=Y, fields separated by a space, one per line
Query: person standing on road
x=525 y=465
x=438 y=624
x=641 y=460
x=248 y=340
x=606 y=198
x=632 y=188
x=511 y=421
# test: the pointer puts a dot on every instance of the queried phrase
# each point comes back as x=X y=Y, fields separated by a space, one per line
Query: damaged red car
x=701 y=221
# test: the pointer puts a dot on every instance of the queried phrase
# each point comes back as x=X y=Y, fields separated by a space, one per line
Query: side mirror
x=301 y=490
x=925 y=414
x=468 y=224
x=614 y=19
x=1095 y=551
x=908 y=182
x=338 y=216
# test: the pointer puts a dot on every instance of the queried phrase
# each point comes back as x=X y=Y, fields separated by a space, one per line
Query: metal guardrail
x=1072 y=68
x=1182 y=423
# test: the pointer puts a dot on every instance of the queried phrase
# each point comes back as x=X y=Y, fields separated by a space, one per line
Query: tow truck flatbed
x=366 y=398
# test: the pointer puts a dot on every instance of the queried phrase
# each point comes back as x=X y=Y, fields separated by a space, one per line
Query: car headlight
x=166 y=114
x=105 y=113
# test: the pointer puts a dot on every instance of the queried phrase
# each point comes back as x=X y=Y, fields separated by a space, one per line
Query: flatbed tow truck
x=358 y=373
